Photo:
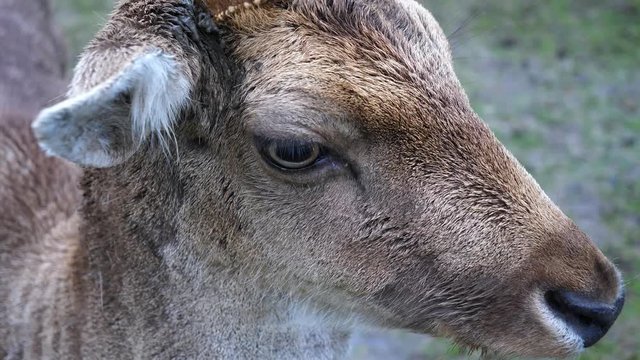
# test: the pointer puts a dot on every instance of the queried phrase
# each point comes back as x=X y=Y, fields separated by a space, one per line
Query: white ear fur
x=104 y=125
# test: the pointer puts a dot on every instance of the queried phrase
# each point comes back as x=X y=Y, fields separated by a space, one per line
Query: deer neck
x=170 y=297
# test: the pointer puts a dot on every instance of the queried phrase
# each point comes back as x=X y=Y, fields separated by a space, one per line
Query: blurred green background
x=559 y=83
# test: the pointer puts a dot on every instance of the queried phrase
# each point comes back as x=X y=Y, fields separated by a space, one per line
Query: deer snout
x=589 y=318
x=583 y=295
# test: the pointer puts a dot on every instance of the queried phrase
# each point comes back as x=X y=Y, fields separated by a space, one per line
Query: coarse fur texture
x=188 y=244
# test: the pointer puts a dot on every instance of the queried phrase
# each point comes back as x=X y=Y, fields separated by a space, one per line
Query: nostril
x=589 y=318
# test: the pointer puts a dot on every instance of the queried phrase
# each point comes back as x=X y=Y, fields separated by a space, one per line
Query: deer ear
x=103 y=122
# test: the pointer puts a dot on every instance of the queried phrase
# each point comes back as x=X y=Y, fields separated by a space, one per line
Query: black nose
x=589 y=318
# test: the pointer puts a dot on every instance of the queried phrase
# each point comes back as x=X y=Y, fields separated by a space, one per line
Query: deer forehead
x=388 y=62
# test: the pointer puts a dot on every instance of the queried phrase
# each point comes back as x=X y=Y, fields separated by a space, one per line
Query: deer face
x=351 y=171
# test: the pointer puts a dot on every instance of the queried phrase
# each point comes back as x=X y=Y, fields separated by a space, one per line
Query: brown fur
x=422 y=220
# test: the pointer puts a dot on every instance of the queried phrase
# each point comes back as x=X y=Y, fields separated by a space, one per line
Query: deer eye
x=292 y=155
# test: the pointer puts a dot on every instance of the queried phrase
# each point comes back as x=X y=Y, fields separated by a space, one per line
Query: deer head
x=328 y=146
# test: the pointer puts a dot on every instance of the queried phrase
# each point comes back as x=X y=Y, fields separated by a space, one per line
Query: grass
x=80 y=20
x=559 y=83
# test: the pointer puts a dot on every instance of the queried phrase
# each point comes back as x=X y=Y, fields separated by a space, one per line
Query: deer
x=255 y=180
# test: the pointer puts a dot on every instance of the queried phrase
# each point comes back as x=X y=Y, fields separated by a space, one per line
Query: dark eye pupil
x=296 y=153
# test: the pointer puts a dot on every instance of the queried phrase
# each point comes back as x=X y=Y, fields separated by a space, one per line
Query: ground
x=559 y=83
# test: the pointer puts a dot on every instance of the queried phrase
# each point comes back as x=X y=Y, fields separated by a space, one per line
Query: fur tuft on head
x=223 y=9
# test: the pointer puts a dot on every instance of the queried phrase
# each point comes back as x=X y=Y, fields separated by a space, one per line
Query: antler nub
x=233 y=9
